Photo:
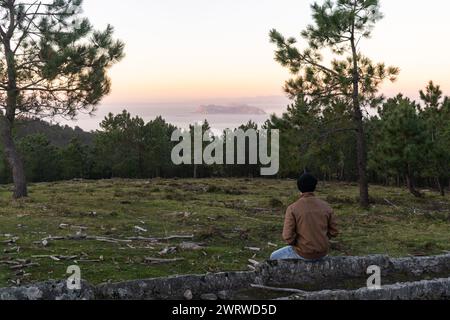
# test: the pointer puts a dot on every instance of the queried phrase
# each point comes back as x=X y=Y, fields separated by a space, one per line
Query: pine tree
x=400 y=143
x=120 y=145
x=40 y=157
x=157 y=135
x=340 y=26
x=436 y=114
x=74 y=160
x=197 y=168
x=52 y=63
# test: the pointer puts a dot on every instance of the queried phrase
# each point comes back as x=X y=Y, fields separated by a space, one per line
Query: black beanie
x=307 y=183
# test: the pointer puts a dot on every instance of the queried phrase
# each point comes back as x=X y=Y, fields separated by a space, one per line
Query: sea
x=183 y=114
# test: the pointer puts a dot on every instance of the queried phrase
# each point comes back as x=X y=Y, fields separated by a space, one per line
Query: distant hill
x=58 y=135
x=239 y=109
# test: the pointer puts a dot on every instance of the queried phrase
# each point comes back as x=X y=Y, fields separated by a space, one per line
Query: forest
x=408 y=145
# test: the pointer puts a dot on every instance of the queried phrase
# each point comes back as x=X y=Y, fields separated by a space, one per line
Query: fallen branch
x=254 y=262
x=84 y=237
x=55 y=257
x=53 y=239
x=10 y=241
x=9 y=263
x=80 y=237
x=254 y=249
x=65 y=226
x=391 y=204
x=161 y=261
x=144 y=239
x=23 y=266
x=106 y=239
x=140 y=229
x=191 y=246
x=175 y=237
x=79 y=227
x=12 y=250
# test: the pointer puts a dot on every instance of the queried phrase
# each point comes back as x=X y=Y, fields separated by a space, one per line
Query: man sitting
x=309 y=225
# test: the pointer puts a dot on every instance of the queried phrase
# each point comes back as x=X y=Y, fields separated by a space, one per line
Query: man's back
x=309 y=224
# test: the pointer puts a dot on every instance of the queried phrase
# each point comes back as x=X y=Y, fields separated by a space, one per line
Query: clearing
x=118 y=230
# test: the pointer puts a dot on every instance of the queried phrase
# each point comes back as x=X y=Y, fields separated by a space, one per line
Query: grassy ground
x=227 y=216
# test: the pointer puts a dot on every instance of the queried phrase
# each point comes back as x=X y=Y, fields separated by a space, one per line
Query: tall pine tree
x=354 y=79
x=52 y=63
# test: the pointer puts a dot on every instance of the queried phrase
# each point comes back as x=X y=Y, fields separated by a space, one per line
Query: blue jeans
x=289 y=253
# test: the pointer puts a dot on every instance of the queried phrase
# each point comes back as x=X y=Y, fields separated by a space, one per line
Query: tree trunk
x=360 y=134
x=140 y=163
x=362 y=160
x=7 y=120
x=440 y=183
x=14 y=159
x=412 y=186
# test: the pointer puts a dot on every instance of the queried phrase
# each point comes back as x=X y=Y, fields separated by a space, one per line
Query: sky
x=207 y=50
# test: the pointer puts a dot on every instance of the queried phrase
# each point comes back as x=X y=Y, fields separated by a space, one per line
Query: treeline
x=124 y=147
x=408 y=143
x=58 y=135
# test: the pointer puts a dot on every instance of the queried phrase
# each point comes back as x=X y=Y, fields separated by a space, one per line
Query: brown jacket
x=309 y=225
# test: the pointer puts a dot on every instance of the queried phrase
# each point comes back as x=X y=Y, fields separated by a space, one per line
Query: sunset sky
x=180 y=50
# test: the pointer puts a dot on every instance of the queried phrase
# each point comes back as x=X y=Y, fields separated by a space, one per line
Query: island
x=234 y=109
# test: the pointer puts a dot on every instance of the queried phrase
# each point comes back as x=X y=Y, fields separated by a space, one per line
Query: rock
x=224 y=295
x=188 y=295
x=209 y=297
x=48 y=291
x=277 y=274
x=437 y=289
x=175 y=287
